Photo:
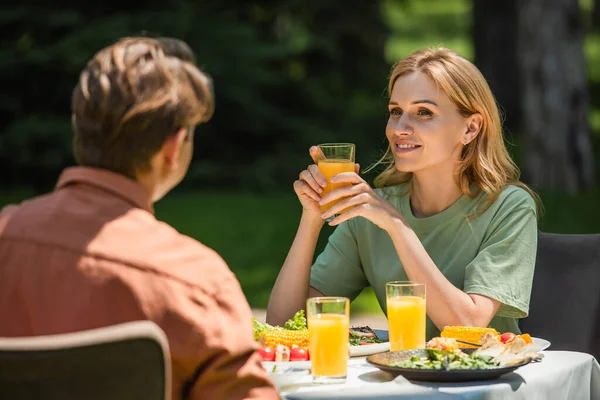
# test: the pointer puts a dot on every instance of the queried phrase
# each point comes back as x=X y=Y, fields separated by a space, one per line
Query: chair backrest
x=126 y=361
x=565 y=301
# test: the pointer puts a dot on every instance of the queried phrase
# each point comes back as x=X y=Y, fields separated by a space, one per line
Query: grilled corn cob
x=467 y=333
x=285 y=337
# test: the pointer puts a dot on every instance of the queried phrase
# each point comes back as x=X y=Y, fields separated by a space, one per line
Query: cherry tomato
x=298 y=354
x=365 y=343
x=267 y=354
x=505 y=337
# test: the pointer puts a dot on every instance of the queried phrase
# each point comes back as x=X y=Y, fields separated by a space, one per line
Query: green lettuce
x=259 y=327
x=297 y=323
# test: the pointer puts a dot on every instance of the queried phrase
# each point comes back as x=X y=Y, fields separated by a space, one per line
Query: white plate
x=288 y=377
x=538 y=344
x=368 y=349
x=282 y=366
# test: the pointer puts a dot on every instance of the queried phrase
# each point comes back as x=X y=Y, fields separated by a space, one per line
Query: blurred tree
x=495 y=42
x=287 y=74
x=558 y=152
x=596 y=15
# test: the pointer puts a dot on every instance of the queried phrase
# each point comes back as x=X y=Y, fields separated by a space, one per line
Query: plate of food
x=365 y=341
x=287 y=346
x=443 y=361
x=470 y=337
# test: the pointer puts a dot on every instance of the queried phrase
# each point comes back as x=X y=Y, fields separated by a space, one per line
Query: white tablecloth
x=561 y=375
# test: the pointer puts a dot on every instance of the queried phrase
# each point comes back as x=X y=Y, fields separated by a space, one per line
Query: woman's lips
x=403 y=148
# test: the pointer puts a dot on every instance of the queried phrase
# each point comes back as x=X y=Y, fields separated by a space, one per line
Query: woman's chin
x=405 y=167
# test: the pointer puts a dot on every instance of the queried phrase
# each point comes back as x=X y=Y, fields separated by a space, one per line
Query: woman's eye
x=396 y=112
x=423 y=112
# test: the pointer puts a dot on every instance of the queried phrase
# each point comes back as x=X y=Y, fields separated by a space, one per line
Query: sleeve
x=338 y=269
x=223 y=348
x=503 y=268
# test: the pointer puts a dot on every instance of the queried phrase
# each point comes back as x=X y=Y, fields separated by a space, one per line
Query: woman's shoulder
x=515 y=196
x=512 y=202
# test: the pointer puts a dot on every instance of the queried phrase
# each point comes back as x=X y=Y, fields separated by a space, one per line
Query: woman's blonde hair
x=485 y=161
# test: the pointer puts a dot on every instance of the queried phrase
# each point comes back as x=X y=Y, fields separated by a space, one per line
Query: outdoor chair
x=565 y=301
x=128 y=361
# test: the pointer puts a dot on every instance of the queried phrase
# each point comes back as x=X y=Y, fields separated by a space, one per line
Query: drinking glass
x=333 y=159
x=328 y=325
x=406 y=314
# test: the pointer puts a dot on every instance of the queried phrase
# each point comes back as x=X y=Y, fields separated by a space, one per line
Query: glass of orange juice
x=329 y=338
x=406 y=315
x=333 y=159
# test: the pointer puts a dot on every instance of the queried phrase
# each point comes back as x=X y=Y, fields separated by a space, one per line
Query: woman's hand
x=310 y=184
x=359 y=199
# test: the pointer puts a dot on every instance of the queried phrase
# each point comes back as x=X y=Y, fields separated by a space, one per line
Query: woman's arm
x=446 y=304
x=292 y=285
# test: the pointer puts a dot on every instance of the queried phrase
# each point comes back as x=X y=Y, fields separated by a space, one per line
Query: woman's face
x=425 y=129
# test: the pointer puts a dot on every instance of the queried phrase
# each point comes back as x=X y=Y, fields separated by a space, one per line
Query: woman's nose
x=402 y=127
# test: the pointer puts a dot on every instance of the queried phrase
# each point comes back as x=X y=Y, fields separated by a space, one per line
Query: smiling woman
x=449 y=210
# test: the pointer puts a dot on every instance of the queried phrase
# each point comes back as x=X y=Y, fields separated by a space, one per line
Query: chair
x=126 y=361
x=565 y=301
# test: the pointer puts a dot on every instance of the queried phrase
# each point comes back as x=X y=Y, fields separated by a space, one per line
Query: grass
x=253 y=232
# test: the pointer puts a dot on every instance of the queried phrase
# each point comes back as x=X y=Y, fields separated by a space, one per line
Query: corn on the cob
x=286 y=337
x=467 y=333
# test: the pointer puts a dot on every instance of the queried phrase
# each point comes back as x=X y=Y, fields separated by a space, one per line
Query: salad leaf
x=440 y=355
x=297 y=323
x=432 y=361
x=259 y=327
x=356 y=340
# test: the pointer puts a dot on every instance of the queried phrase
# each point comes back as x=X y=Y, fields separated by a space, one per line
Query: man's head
x=135 y=109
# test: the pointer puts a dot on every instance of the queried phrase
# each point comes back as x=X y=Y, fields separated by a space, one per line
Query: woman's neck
x=431 y=193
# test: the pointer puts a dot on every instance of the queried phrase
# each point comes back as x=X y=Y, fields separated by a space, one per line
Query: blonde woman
x=448 y=211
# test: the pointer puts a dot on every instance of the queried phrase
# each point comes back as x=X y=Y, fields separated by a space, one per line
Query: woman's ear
x=474 y=123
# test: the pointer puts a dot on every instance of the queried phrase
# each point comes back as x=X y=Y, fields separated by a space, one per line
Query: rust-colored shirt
x=92 y=254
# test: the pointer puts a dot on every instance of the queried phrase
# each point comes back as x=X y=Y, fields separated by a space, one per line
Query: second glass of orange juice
x=334 y=158
x=329 y=336
x=406 y=314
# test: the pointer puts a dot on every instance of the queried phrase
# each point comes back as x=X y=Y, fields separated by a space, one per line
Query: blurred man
x=92 y=254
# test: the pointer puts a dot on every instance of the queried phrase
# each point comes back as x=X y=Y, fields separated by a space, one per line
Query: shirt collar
x=112 y=182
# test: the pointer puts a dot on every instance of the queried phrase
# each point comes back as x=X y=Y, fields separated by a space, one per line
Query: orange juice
x=406 y=320
x=328 y=344
x=330 y=168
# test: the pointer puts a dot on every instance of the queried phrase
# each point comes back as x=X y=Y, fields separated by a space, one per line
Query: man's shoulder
x=160 y=249
x=14 y=212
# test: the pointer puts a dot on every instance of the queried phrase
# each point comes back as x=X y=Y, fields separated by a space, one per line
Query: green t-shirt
x=492 y=254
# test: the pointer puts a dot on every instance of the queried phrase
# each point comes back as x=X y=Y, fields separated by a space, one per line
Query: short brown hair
x=131 y=96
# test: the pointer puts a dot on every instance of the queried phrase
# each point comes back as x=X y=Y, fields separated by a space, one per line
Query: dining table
x=560 y=375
